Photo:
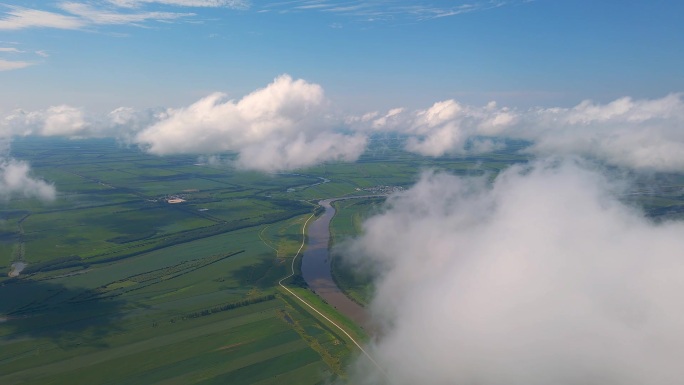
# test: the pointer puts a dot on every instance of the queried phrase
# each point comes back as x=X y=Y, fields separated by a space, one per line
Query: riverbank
x=317 y=266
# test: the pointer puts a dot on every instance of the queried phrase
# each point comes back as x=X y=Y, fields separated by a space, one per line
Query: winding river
x=316 y=268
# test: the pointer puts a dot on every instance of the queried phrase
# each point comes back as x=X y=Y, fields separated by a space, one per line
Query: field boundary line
x=266 y=243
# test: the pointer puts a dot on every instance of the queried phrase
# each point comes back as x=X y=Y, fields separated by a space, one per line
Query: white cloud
x=542 y=277
x=8 y=65
x=58 y=120
x=10 y=49
x=385 y=119
x=282 y=126
x=299 y=151
x=20 y=18
x=239 y=4
x=99 y=16
x=447 y=127
x=80 y=15
x=63 y=121
x=387 y=11
x=122 y=123
x=644 y=135
x=638 y=134
x=15 y=180
x=67 y=121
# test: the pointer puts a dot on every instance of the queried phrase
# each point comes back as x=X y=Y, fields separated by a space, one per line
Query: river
x=316 y=268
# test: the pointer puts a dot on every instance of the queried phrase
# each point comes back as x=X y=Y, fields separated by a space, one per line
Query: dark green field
x=123 y=287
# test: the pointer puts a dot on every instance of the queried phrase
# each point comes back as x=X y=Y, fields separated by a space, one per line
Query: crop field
x=120 y=286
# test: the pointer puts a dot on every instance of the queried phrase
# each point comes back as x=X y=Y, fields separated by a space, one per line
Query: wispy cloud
x=99 y=16
x=7 y=65
x=396 y=10
x=10 y=49
x=237 y=4
x=21 y=18
x=78 y=15
x=16 y=53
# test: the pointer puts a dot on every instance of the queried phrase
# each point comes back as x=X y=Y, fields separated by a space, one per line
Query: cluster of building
x=381 y=189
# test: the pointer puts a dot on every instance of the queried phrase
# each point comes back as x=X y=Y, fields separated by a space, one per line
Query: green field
x=123 y=287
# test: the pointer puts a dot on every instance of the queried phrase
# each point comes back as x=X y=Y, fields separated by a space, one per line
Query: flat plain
x=121 y=286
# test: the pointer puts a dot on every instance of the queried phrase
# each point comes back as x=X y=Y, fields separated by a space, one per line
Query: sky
x=104 y=54
x=290 y=84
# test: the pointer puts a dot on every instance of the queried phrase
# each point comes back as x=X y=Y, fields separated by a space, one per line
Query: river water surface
x=316 y=268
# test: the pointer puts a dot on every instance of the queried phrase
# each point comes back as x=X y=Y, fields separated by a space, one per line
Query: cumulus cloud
x=282 y=126
x=15 y=179
x=446 y=127
x=540 y=277
x=638 y=134
x=289 y=124
x=57 y=120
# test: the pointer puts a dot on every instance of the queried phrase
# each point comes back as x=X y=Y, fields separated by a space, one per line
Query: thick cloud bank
x=289 y=124
x=541 y=277
x=638 y=134
x=15 y=180
x=282 y=126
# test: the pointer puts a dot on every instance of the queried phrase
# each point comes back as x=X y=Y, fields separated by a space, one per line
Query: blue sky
x=103 y=54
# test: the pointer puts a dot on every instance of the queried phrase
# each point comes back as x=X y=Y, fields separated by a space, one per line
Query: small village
x=381 y=189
